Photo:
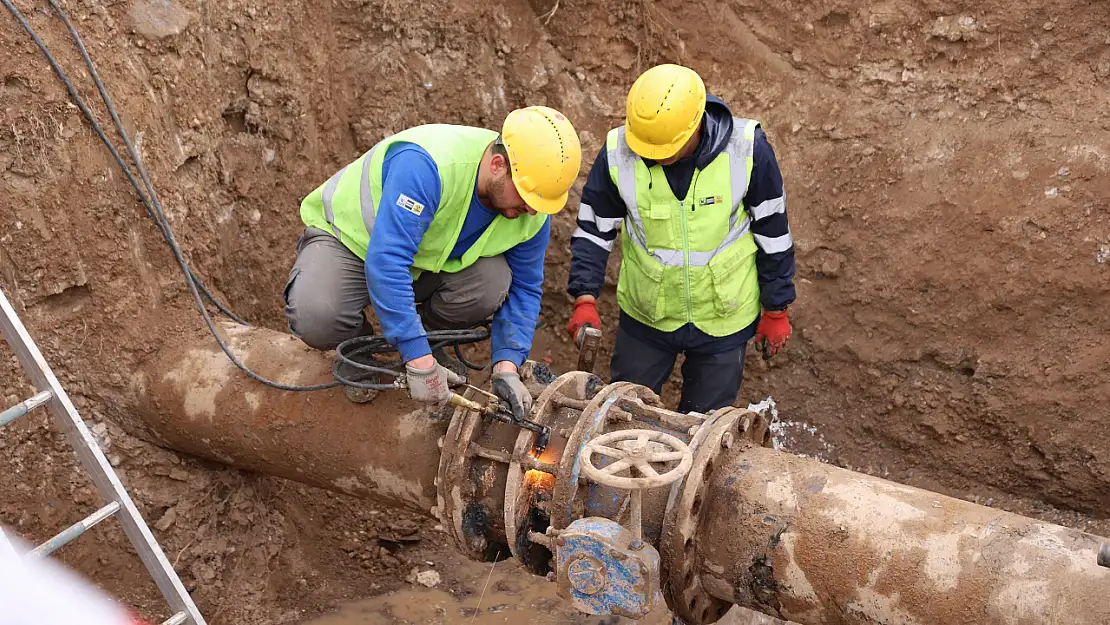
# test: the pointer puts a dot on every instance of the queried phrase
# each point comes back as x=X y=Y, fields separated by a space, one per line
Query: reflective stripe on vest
x=365 y=198
x=740 y=149
x=346 y=203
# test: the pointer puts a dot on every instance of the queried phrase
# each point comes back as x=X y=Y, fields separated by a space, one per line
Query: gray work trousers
x=326 y=293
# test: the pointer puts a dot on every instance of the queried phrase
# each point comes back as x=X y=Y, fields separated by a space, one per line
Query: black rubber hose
x=372 y=345
x=155 y=214
x=154 y=204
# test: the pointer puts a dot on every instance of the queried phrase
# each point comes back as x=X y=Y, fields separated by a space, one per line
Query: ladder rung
x=25 y=406
x=176 y=619
x=75 y=530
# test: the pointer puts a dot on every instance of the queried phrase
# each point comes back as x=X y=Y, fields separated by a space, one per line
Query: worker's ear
x=498 y=165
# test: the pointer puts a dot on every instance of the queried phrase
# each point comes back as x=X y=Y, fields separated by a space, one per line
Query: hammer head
x=588 y=339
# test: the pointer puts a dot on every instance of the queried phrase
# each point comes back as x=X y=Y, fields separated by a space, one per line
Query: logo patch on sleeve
x=410 y=204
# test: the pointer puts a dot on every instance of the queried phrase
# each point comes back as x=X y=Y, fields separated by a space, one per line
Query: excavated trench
x=945 y=167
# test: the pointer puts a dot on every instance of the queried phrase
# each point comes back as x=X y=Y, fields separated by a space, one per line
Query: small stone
x=167 y=520
x=1064 y=171
x=795 y=128
x=268 y=155
x=1103 y=254
x=255 y=216
x=1022 y=106
x=159 y=19
x=428 y=579
x=580 y=75
x=1051 y=192
x=1048 y=26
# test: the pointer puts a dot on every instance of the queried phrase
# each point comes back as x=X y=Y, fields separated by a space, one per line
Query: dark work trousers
x=326 y=293
x=711 y=374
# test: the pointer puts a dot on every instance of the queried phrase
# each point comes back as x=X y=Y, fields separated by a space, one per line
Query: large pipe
x=191 y=398
x=815 y=544
x=783 y=535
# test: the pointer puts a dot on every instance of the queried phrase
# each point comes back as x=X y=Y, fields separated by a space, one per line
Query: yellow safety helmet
x=544 y=154
x=664 y=107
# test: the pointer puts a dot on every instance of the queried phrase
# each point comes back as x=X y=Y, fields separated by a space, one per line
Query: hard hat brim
x=653 y=151
x=547 y=206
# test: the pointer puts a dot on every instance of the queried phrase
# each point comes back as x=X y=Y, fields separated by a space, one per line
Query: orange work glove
x=585 y=313
x=773 y=332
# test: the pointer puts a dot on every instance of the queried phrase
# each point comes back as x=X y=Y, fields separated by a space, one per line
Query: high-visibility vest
x=690 y=261
x=347 y=204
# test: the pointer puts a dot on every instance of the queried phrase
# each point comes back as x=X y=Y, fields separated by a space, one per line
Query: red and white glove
x=585 y=313
x=773 y=331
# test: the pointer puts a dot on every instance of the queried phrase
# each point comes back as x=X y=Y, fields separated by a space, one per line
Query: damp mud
x=470 y=593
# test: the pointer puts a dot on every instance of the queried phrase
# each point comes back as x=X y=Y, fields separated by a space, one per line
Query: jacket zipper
x=686 y=246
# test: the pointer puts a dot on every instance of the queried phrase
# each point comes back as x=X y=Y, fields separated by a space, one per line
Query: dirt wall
x=946 y=180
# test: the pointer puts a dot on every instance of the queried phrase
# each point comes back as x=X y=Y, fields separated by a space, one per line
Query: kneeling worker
x=453 y=218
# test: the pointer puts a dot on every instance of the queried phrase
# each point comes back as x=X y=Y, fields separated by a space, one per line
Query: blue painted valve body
x=602 y=569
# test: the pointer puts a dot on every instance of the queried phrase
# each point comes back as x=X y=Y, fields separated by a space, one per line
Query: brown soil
x=946 y=164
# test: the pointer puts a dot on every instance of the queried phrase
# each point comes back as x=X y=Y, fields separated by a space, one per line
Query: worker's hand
x=773 y=331
x=507 y=386
x=432 y=385
x=585 y=313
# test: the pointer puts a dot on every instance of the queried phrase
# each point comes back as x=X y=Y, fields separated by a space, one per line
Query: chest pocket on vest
x=663 y=224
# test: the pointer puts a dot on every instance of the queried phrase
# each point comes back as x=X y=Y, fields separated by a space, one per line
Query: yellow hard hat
x=544 y=154
x=664 y=107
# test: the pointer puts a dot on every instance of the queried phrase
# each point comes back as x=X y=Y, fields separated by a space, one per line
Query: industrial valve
x=602 y=567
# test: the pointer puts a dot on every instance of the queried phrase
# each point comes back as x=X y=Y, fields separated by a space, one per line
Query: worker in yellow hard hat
x=707 y=257
x=439 y=227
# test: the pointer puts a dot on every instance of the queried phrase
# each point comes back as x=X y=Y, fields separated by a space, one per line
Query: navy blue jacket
x=602 y=210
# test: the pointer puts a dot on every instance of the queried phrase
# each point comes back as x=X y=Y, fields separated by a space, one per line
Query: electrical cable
x=362 y=345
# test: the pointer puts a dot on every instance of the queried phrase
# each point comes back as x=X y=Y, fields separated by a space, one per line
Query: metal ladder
x=52 y=395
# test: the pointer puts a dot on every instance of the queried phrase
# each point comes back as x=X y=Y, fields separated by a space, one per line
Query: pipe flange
x=721 y=432
x=530 y=481
x=566 y=505
x=459 y=507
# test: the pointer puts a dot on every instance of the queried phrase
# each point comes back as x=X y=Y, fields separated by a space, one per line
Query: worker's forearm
x=514 y=324
x=409 y=175
x=587 y=267
x=766 y=202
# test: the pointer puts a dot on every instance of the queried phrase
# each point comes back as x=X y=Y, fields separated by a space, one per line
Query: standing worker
x=705 y=241
x=439 y=227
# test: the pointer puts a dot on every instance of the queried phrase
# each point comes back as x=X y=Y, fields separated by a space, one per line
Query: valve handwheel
x=635 y=449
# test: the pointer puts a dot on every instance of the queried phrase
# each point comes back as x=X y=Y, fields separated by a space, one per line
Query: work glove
x=507 y=386
x=773 y=332
x=433 y=385
x=585 y=313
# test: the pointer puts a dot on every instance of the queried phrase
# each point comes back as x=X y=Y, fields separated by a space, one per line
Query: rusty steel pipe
x=780 y=534
x=814 y=543
x=191 y=398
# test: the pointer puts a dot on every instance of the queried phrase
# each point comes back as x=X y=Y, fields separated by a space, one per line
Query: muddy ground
x=945 y=164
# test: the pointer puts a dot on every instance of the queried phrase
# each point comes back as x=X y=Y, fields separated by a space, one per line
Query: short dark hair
x=498 y=147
